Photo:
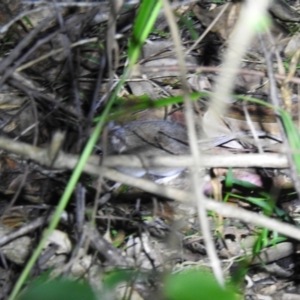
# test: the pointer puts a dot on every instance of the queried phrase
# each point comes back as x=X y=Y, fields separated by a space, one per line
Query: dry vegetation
x=209 y=114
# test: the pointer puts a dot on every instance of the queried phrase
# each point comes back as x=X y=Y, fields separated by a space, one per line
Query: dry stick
x=4 y=28
x=10 y=70
x=207 y=30
x=189 y=116
x=188 y=198
x=68 y=26
x=65 y=4
x=110 y=40
x=39 y=94
x=266 y=160
x=170 y=53
x=70 y=58
x=31 y=226
x=69 y=161
x=54 y=52
x=26 y=171
x=238 y=43
x=275 y=100
x=237 y=46
x=252 y=129
x=4 y=63
x=198 y=69
x=49 y=6
x=112 y=254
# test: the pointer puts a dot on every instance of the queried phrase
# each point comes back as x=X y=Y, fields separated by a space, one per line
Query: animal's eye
x=98 y=152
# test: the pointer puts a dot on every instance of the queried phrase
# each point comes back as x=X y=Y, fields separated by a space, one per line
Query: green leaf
x=229 y=180
x=196 y=285
x=144 y=102
x=262 y=203
x=59 y=290
x=118 y=276
x=143 y=24
x=189 y=24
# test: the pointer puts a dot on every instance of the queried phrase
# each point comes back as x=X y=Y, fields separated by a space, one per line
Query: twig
x=22 y=231
x=265 y=160
x=237 y=46
x=189 y=116
x=275 y=100
x=218 y=207
x=238 y=43
x=69 y=161
x=197 y=69
x=253 y=131
x=54 y=52
x=23 y=44
x=12 y=58
x=207 y=30
x=106 y=249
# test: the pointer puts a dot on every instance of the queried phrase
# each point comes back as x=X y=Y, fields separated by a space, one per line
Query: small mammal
x=149 y=138
x=159 y=138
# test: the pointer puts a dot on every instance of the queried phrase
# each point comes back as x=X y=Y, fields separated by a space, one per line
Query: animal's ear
x=111 y=125
x=117 y=140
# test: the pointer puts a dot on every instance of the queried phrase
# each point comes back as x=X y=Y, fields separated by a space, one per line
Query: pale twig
x=266 y=160
x=275 y=101
x=65 y=4
x=17 y=50
x=197 y=69
x=189 y=116
x=69 y=161
x=25 y=229
x=207 y=30
x=237 y=46
x=4 y=28
x=54 y=52
x=238 y=43
x=185 y=197
x=48 y=7
x=253 y=131
x=111 y=47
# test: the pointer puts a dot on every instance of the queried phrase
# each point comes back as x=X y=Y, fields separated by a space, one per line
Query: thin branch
x=198 y=69
x=221 y=208
x=189 y=116
x=207 y=30
x=22 y=230
x=266 y=160
x=69 y=161
x=275 y=101
x=54 y=52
